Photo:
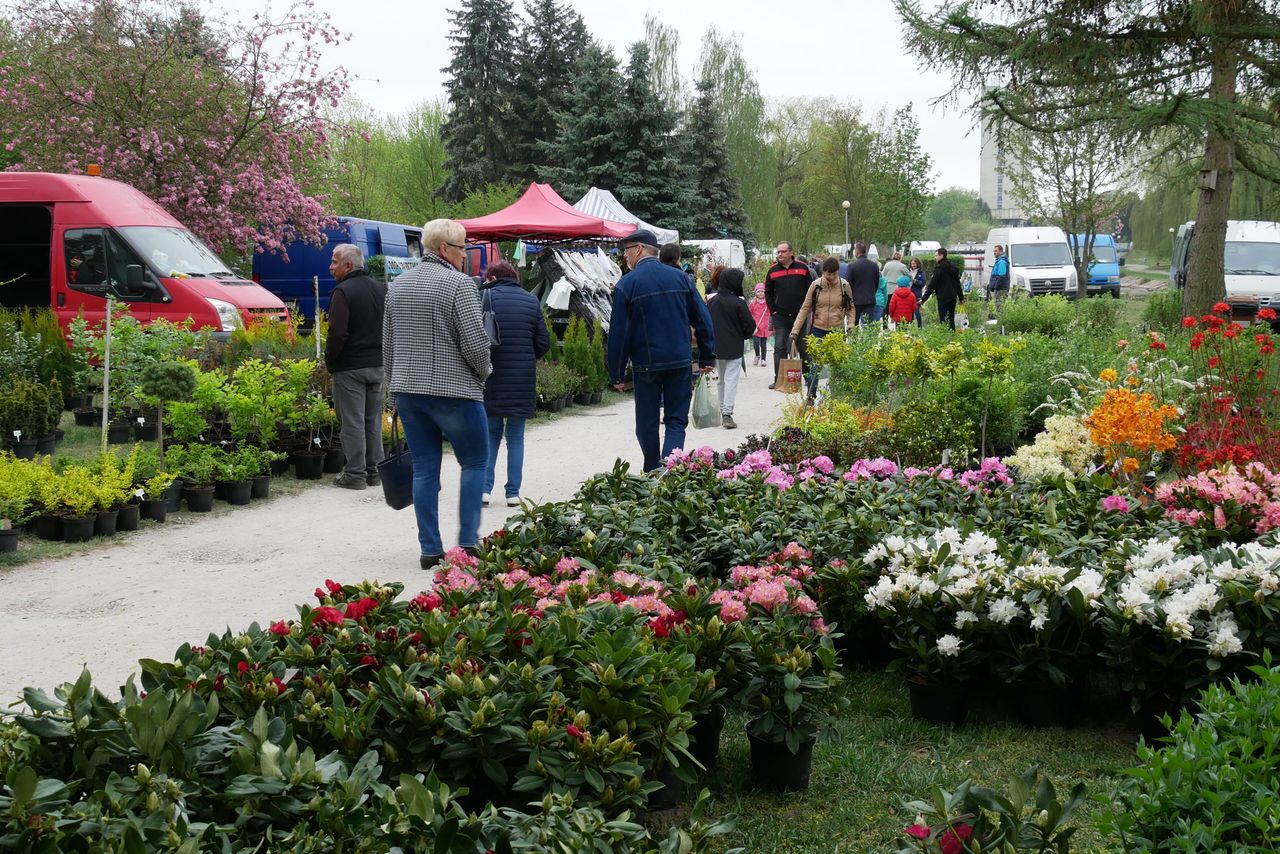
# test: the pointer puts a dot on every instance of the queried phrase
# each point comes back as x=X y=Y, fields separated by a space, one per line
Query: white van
x=731 y=253
x=1251 y=260
x=1040 y=260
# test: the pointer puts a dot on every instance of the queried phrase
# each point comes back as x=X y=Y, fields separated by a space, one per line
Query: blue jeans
x=428 y=421
x=515 y=453
x=668 y=392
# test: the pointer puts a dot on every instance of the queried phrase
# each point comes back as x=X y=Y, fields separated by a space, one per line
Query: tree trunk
x=1205 y=278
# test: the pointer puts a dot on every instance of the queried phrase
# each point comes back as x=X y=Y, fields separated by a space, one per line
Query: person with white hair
x=436 y=356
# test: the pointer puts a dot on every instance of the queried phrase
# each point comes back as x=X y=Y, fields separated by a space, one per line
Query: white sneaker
x=484 y=499
x=513 y=501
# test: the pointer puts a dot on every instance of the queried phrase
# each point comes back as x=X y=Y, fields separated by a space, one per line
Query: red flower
x=320 y=594
x=315 y=641
x=728 y=455
x=1268 y=348
x=618 y=597
x=326 y=614
x=1221 y=308
x=1214 y=361
x=1232 y=331
x=425 y=602
x=1188 y=323
x=369 y=660
x=575 y=732
x=919 y=831
x=358 y=610
x=660 y=627
x=1266 y=314
x=280 y=686
x=219 y=682
x=279 y=627
x=1158 y=345
x=334 y=587
x=952 y=842
x=242 y=666
x=1197 y=340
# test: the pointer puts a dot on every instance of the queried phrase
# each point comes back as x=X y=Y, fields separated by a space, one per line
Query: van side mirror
x=1121 y=260
x=133 y=277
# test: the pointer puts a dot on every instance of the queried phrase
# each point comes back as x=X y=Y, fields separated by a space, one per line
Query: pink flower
x=919 y=831
x=567 y=566
x=1219 y=518
x=733 y=611
x=1115 y=504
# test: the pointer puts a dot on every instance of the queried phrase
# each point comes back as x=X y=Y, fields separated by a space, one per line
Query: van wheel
x=1115 y=293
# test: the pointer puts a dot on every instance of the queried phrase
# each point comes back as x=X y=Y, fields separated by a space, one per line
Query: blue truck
x=1104 y=270
x=400 y=244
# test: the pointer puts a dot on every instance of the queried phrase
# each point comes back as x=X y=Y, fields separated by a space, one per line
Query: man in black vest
x=353 y=356
x=785 y=286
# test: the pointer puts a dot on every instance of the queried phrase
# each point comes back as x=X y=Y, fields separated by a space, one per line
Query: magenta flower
x=1115 y=504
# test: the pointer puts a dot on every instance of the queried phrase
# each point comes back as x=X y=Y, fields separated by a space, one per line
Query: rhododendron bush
x=214 y=120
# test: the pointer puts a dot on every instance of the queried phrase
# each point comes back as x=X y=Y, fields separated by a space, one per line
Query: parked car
x=289 y=275
x=1251 y=260
x=69 y=241
x=1040 y=260
x=1104 y=268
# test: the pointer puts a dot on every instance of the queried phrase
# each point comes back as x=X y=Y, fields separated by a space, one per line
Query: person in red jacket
x=902 y=302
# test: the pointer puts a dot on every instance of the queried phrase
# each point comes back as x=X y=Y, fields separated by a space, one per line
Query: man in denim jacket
x=653 y=307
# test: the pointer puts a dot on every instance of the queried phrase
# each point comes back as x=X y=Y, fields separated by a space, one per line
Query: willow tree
x=1187 y=76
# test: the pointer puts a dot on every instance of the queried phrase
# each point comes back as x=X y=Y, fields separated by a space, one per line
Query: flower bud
x=143 y=773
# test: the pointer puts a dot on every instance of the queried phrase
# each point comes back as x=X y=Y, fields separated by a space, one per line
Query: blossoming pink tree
x=216 y=121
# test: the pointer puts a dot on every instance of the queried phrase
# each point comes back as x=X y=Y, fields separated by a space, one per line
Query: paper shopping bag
x=790 y=373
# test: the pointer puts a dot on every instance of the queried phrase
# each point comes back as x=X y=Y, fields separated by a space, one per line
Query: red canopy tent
x=541 y=214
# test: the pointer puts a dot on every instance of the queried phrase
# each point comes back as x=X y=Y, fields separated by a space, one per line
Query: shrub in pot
x=17 y=499
x=78 y=496
x=197 y=465
x=154 y=491
x=163 y=383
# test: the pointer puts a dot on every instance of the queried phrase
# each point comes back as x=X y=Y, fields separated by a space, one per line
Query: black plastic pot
x=105 y=523
x=774 y=766
x=78 y=401
x=199 y=498
x=173 y=496
x=1043 y=704
x=24 y=450
x=127 y=520
x=156 y=511
x=8 y=540
x=49 y=528
x=597 y=396
x=671 y=793
x=280 y=466
x=334 y=460
x=238 y=492
x=583 y=399
x=308 y=465
x=118 y=434
x=944 y=703
x=704 y=736
x=145 y=432
x=261 y=486
x=220 y=491
x=566 y=401
x=47 y=444
x=88 y=416
x=77 y=529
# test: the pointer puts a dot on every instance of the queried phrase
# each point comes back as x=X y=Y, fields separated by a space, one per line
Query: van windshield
x=175 y=251
x=1105 y=254
x=1252 y=259
x=1040 y=255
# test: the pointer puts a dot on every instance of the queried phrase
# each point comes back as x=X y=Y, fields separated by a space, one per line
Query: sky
x=843 y=50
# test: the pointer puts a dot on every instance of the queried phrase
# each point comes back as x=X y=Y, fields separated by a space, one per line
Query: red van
x=67 y=241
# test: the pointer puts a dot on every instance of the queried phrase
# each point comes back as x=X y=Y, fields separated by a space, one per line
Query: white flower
x=1003 y=610
x=1223 y=643
x=1090 y=584
x=927 y=586
x=895 y=543
x=874 y=554
x=949 y=645
x=880 y=593
x=1039 y=615
x=964 y=618
x=1178 y=626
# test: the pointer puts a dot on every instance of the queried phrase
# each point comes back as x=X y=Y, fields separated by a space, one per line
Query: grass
x=1150 y=275
x=881 y=757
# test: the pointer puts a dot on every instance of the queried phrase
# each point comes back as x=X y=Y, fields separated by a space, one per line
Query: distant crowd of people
x=460 y=362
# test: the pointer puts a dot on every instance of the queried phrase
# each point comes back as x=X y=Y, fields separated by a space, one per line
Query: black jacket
x=732 y=322
x=864 y=280
x=355 y=323
x=945 y=282
x=510 y=389
x=785 y=287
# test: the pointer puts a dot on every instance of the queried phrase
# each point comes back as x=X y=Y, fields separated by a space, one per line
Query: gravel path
x=142 y=598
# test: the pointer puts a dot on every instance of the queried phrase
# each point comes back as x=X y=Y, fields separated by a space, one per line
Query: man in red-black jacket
x=785 y=286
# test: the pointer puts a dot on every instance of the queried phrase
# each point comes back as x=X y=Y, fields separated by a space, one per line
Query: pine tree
x=481 y=92
x=654 y=182
x=585 y=150
x=718 y=204
x=545 y=65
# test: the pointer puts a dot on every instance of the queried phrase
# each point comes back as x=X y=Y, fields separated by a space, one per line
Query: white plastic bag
x=706 y=403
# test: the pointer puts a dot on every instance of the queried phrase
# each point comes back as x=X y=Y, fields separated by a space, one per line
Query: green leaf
x=39 y=701
x=24 y=785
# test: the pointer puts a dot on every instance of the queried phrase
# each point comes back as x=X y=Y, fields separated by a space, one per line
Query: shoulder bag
x=396 y=471
x=490 y=319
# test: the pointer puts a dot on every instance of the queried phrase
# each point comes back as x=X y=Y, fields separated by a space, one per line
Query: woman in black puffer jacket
x=510 y=391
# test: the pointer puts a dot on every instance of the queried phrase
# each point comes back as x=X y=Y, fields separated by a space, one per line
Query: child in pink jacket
x=760 y=311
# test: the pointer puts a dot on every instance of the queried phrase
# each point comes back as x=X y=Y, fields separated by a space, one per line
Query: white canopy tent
x=604 y=204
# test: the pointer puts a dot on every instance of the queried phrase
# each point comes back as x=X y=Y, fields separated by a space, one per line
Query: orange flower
x=1108 y=375
x=1129 y=464
x=1126 y=423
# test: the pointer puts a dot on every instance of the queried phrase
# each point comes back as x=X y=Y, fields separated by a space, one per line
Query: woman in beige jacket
x=830 y=301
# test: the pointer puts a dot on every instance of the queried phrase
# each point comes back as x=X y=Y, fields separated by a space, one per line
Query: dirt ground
x=143 y=597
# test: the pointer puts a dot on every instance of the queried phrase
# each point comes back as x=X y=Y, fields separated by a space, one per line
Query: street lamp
x=845 y=205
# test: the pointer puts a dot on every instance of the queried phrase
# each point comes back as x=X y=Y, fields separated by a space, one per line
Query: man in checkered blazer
x=435 y=354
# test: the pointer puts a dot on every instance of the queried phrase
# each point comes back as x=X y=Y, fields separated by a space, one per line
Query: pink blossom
x=567 y=566
x=1115 y=504
x=733 y=611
